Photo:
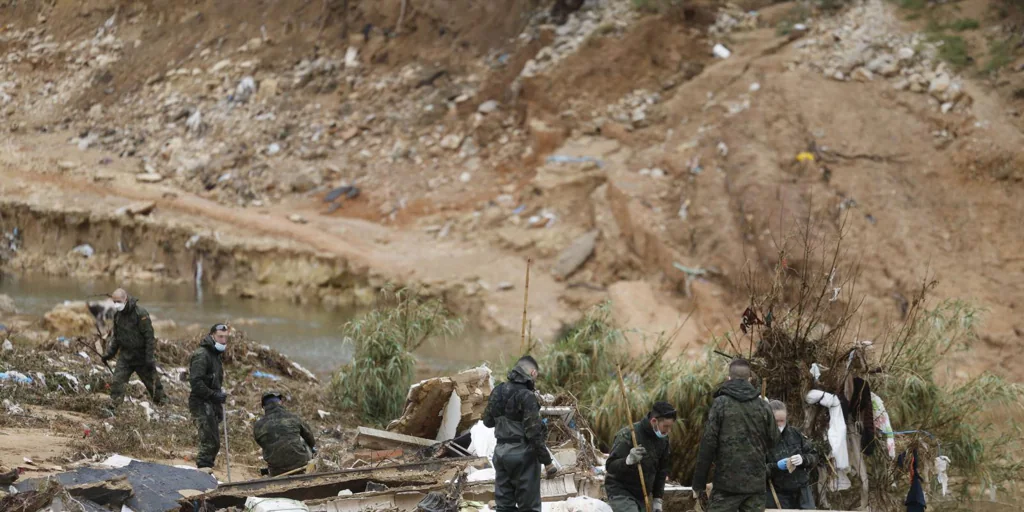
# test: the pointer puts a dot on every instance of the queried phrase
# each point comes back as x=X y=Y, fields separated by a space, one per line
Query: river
x=309 y=334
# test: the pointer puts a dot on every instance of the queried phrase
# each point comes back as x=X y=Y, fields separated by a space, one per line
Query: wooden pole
x=632 y=430
x=764 y=389
x=526 y=300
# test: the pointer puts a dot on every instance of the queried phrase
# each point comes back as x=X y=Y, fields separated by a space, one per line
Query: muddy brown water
x=309 y=334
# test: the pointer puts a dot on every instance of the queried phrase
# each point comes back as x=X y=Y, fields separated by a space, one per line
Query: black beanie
x=663 y=410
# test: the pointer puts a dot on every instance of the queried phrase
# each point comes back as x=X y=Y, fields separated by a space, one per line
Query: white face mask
x=220 y=347
x=119 y=306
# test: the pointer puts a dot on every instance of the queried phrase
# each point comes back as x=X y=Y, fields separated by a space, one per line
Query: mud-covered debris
x=143 y=208
x=426 y=403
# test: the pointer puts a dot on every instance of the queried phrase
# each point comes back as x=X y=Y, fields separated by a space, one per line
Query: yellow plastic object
x=804 y=156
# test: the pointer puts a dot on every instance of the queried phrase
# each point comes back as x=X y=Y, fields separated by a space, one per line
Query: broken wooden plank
x=327 y=485
x=113 y=492
x=372 y=438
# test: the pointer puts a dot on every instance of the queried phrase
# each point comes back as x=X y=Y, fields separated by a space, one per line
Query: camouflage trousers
x=148 y=375
x=207 y=418
x=727 y=502
x=626 y=504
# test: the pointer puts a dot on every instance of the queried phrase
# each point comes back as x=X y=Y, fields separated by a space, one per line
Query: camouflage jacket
x=284 y=438
x=624 y=480
x=205 y=372
x=739 y=438
x=792 y=442
x=513 y=411
x=133 y=336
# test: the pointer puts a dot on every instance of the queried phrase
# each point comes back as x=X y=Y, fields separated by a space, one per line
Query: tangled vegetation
x=804 y=310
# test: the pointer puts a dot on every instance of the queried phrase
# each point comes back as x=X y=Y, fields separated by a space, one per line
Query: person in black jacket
x=513 y=411
x=207 y=397
x=792 y=449
x=622 y=484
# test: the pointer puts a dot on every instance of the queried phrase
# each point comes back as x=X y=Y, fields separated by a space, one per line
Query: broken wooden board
x=551 y=489
x=113 y=493
x=328 y=485
x=402 y=498
x=372 y=438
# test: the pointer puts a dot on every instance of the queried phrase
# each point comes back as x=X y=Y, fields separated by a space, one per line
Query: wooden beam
x=383 y=440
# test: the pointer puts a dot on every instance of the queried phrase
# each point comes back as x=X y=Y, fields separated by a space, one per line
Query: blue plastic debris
x=566 y=159
x=263 y=375
x=519 y=209
x=16 y=377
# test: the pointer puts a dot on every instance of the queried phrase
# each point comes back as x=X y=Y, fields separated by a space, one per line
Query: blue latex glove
x=782 y=464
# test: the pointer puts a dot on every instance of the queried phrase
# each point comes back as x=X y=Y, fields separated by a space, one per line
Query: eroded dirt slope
x=241 y=120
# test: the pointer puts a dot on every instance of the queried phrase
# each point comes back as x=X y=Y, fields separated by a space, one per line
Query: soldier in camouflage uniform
x=207 y=398
x=287 y=441
x=513 y=411
x=134 y=345
x=739 y=438
x=793 y=448
x=622 y=484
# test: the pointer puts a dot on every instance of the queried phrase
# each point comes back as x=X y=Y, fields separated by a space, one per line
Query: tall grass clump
x=377 y=380
x=585 y=355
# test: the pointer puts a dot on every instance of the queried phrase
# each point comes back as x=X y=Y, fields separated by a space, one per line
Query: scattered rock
x=452 y=141
x=862 y=75
x=487 y=107
x=66 y=165
x=939 y=85
x=144 y=208
x=505 y=286
x=905 y=54
x=573 y=257
x=149 y=177
x=298 y=219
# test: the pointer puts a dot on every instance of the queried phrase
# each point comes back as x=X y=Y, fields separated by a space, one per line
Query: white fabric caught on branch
x=882 y=424
x=836 y=425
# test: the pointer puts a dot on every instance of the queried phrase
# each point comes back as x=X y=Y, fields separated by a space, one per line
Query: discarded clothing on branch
x=836 y=425
x=883 y=425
